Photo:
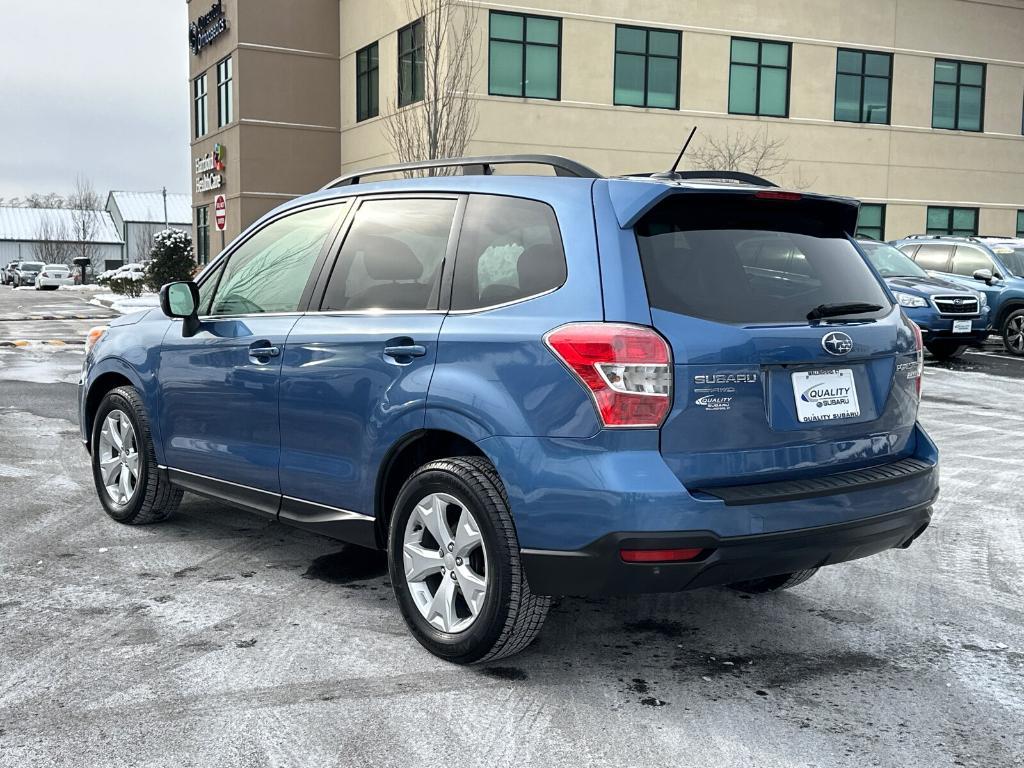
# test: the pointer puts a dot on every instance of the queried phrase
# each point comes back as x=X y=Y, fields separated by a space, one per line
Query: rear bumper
x=598 y=568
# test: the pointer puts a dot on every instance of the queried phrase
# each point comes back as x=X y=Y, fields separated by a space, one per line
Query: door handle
x=258 y=350
x=405 y=350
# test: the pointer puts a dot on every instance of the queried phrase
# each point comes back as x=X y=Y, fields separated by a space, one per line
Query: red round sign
x=220 y=212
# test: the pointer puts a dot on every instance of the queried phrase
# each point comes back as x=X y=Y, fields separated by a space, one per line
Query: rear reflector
x=770 y=194
x=626 y=368
x=659 y=555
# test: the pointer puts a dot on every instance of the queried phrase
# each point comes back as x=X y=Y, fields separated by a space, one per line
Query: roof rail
x=968 y=238
x=738 y=176
x=480 y=166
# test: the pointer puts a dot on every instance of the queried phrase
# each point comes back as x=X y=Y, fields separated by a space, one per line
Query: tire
x=510 y=616
x=1013 y=333
x=153 y=499
x=945 y=350
x=773 y=583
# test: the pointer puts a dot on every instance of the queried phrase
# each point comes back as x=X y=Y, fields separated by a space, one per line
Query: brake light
x=626 y=368
x=659 y=555
x=919 y=348
x=774 y=194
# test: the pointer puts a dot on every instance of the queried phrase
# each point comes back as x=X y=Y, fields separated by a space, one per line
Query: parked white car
x=137 y=271
x=54 y=276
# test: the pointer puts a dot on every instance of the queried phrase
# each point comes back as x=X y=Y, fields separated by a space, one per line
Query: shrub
x=170 y=260
x=127 y=285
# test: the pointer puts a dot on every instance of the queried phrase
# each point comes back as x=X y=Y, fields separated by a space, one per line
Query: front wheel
x=454 y=560
x=124 y=467
x=1013 y=333
x=945 y=350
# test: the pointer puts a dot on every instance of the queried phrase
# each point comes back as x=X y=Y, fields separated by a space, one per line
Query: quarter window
x=509 y=249
x=224 y=106
x=759 y=78
x=199 y=107
x=269 y=271
x=410 y=63
x=646 y=67
x=958 y=98
x=952 y=221
x=367 y=82
x=934 y=256
x=967 y=260
x=871 y=221
x=392 y=257
x=203 y=235
x=524 y=56
x=863 y=86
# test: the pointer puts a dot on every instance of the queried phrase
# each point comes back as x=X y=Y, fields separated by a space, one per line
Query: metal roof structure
x=148 y=207
x=58 y=224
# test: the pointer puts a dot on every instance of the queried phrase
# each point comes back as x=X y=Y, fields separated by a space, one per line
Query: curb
x=22 y=343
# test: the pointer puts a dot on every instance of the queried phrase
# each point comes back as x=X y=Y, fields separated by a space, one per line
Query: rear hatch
x=790 y=359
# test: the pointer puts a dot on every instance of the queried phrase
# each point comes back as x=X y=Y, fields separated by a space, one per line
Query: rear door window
x=392 y=257
x=750 y=262
x=934 y=256
x=509 y=249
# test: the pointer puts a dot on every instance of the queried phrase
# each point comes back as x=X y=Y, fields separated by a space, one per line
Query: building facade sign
x=209 y=169
x=207 y=27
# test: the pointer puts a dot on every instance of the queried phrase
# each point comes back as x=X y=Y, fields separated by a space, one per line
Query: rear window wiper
x=835 y=310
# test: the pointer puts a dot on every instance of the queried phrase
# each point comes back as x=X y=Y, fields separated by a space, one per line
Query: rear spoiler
x=632 y=198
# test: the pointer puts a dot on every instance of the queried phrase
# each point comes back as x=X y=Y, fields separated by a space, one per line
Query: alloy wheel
x=1015 y=334
x=445 y=562
x=119 y=457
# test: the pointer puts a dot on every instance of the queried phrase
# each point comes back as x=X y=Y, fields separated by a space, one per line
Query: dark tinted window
x=392 y=256
x=269 y=271
x=968 y=260
x=509 y=249
x=933 y=256
x=750 y=262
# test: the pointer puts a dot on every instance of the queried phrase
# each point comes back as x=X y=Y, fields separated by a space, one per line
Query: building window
x=224 y=110
x=759 y=78
x=367 y=81
x=199 y=105
x=943 y=220
x=646 y=67
x=871 y=221
x=863 y=86
x=203 y=235
x=525 y=56
x=410 y=63
x=1020 y=223
x=958 y=100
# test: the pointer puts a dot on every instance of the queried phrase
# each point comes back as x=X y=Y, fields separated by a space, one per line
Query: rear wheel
x=453 y=555
x=773 y=583
x=124 y=466
x=1013 y=333
x=945 y=350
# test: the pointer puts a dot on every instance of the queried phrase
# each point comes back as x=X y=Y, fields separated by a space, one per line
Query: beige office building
x=915 y=106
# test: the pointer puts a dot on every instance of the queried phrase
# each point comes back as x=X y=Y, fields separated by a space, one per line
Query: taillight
x=774 y=194
x=919 y=348
x=660 y=555
x=627 y=368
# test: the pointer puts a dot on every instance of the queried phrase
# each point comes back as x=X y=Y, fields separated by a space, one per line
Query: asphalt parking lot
x=219 y=639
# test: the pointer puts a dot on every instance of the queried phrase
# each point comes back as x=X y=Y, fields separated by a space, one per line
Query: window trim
x=647 y=55
x=523 y=43
x=863 y=75
x=411 y=26
x=202 y=98
x=757 y=85
x=362 y=77
x=222 y=85
x=203 y=229
x=956 y=104
x=314 y=275
x=950 y=229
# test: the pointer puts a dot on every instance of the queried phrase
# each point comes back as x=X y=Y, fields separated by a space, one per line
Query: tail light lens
x=919 y=348
x=626 y=368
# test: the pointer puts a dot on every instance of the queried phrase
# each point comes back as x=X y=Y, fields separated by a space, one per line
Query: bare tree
x=442 y=123
x=52 y=246
x=143 y=243
x=750 y=152
x=35 y=200
x=84 y=203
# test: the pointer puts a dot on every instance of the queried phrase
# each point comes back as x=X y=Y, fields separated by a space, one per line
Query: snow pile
x=126 y=304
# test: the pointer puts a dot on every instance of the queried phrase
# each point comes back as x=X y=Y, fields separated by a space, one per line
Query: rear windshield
x=31 y=266
x=751 y=261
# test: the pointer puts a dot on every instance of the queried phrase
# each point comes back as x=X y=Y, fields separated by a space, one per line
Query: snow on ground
x=126 y=304
x=41 y=364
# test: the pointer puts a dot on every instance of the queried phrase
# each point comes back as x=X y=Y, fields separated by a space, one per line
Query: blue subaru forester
x=528 y=386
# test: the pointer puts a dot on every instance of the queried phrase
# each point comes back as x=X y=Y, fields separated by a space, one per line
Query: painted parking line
x=993 y=354
x=90 y=316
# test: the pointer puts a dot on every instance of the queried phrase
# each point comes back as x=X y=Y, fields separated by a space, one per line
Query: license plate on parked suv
x=961 y=326
x=825 y=395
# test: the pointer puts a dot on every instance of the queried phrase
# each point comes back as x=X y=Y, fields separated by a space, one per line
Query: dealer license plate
x=825 y=395
x=961 y=326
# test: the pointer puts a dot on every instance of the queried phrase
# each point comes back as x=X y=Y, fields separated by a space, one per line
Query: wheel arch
x=98 y=388
x=409 y=453
x=1007 y=309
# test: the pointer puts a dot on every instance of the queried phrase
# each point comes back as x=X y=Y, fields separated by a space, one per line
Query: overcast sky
x=98 y=87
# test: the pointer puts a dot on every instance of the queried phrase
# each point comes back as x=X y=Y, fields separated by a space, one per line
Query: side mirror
x=181 y=300
x=985 y=275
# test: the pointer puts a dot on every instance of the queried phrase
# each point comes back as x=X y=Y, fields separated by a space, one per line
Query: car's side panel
x=622 y=278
